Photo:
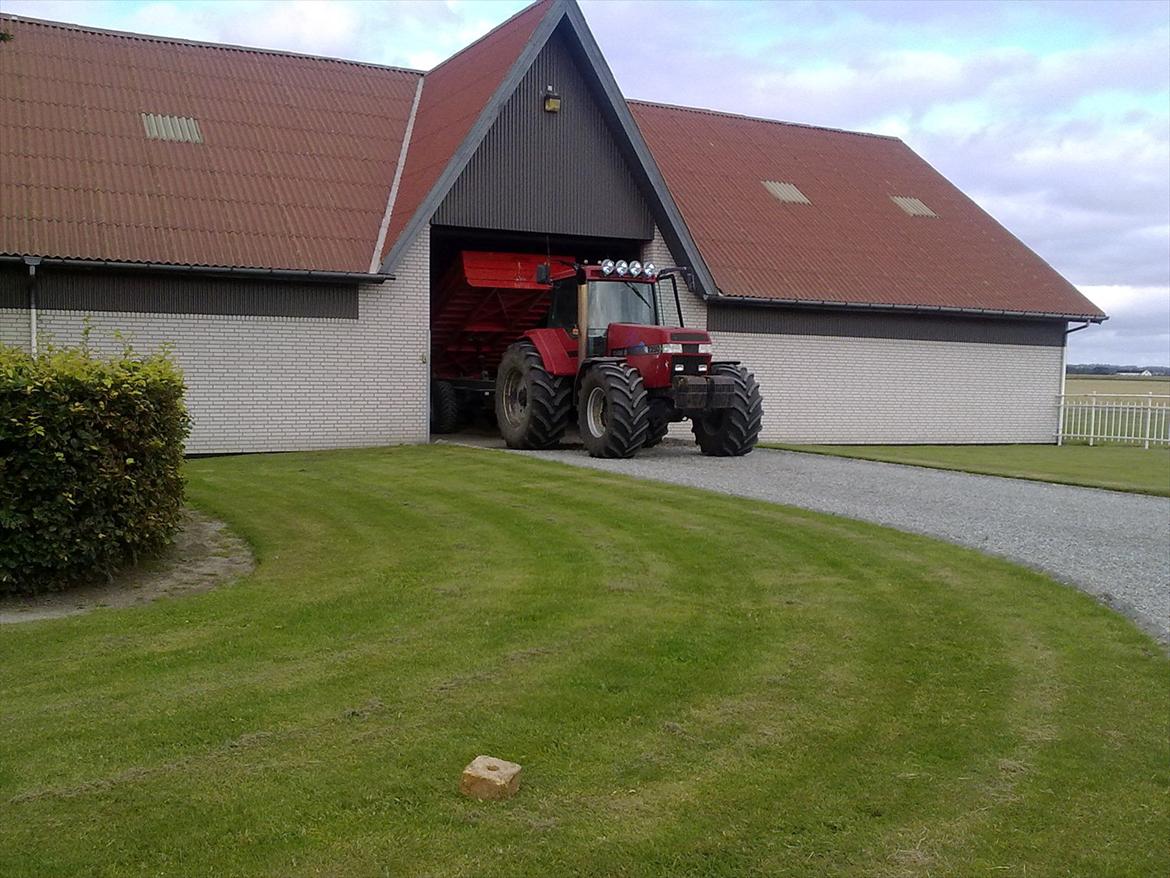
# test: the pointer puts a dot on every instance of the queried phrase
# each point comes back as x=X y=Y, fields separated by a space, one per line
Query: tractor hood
x=631 y=339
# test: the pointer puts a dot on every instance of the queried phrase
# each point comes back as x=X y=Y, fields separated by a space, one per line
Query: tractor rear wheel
x=733 y=431
x=444 y=407
x=613 y=413
x=532 y=406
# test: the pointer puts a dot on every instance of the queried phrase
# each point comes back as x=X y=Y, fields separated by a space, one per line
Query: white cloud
x=1137 y=332
x=1119 y=300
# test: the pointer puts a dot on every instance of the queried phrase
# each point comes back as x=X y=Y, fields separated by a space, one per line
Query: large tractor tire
x=444 y=407
x=532 y=406
x=733 y=431
x=656 y=433
x=613 y=413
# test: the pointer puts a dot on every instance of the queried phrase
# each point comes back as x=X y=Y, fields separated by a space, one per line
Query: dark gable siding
x=919 y=327
x=557 y=173
x=72 y=290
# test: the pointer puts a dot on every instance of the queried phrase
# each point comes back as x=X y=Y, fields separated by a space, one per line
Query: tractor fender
x=553 y=345
x=592 y=361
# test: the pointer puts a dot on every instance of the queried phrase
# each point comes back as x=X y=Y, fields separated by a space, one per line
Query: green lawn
x=1117 y=467
x=696 y=685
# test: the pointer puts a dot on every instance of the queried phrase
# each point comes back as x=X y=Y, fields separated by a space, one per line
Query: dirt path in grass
x=205 y=554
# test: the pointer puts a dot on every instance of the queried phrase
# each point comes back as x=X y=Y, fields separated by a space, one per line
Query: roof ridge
x=230 y=47
x=498 y=27
x=706 y=111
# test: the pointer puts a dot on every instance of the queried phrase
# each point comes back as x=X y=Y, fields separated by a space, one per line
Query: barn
x=281 y=222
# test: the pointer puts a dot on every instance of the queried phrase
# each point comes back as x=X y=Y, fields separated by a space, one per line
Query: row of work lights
x=631 y=269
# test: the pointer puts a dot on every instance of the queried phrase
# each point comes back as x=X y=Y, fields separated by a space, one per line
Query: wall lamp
x=552 y=100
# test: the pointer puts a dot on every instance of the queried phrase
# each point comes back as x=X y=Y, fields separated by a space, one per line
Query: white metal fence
x=1127 y=418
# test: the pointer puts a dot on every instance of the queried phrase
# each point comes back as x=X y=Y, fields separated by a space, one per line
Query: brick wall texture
x=14 y=328
x=277 y=383
x=820 y=389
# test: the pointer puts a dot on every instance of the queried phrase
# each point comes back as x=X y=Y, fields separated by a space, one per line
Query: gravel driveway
x=1112 y=545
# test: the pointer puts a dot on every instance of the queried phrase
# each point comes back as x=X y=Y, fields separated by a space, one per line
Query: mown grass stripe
x=696 y=685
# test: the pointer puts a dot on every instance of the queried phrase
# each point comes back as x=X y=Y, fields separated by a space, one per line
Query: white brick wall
x=694 y=309
x=278 y=383
x=863 y=390
x=14 y=328
x=820 y=389
x=274 y=383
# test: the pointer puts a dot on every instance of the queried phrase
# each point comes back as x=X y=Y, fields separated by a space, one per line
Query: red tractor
x=591 y=338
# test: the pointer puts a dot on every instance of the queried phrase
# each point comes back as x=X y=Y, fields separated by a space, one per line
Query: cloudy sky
x=1054 y=116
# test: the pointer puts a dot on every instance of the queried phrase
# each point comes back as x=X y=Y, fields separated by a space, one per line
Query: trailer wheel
x=532 y=406
x=444 y=407
x=613 y=413
x=733 y=431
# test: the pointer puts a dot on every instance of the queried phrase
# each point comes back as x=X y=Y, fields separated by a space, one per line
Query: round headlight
x=622 y=268
x=635 y=268
x=607 y=266
x=649 y=269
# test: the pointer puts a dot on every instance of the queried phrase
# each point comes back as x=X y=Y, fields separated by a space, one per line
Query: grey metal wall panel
x=558 y=173
x=67 y=290
x=846 y=324
x=13 y=286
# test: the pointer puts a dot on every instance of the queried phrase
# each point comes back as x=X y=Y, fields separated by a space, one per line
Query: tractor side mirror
x=543 y=273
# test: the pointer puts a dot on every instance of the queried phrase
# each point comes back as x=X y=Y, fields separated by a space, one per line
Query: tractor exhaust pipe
x=582 y=319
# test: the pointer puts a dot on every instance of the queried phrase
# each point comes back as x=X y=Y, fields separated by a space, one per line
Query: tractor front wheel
x=733 y=431
x=613 y=412
x=532 y=406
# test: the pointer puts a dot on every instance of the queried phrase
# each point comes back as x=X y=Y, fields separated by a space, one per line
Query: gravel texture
x=1112 y=545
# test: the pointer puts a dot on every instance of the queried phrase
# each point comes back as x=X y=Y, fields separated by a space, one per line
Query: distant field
x=1117 y=412
x=1107 y=384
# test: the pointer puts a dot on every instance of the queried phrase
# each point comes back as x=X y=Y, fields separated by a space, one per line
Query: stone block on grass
x=489 y=778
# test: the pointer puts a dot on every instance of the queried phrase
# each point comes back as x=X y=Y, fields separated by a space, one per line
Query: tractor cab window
x=562 y=312
x=620 y=302
x=609 y=302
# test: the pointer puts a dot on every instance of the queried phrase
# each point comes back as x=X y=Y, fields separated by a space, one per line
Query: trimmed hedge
x=91 y=454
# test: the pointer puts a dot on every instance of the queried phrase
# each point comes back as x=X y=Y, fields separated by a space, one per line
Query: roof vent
x=178 y=128
x=786 y=192
x=912 y=206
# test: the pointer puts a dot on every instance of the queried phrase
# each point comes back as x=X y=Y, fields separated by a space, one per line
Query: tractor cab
x=623 y=299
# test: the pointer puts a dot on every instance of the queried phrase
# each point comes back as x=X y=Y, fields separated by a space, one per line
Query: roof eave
x=891 y=307
x=301 y=274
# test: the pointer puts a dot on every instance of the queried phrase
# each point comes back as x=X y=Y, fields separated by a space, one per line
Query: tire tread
x=739 y=426
x=549 y=400
x=629 y=411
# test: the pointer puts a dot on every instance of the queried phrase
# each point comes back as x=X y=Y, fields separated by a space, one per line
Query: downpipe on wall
x=32 y=262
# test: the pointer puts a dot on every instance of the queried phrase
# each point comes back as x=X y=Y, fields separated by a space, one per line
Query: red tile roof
x=453 y=96
x=852 y=244
x=299 y=154
x=294 y=171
